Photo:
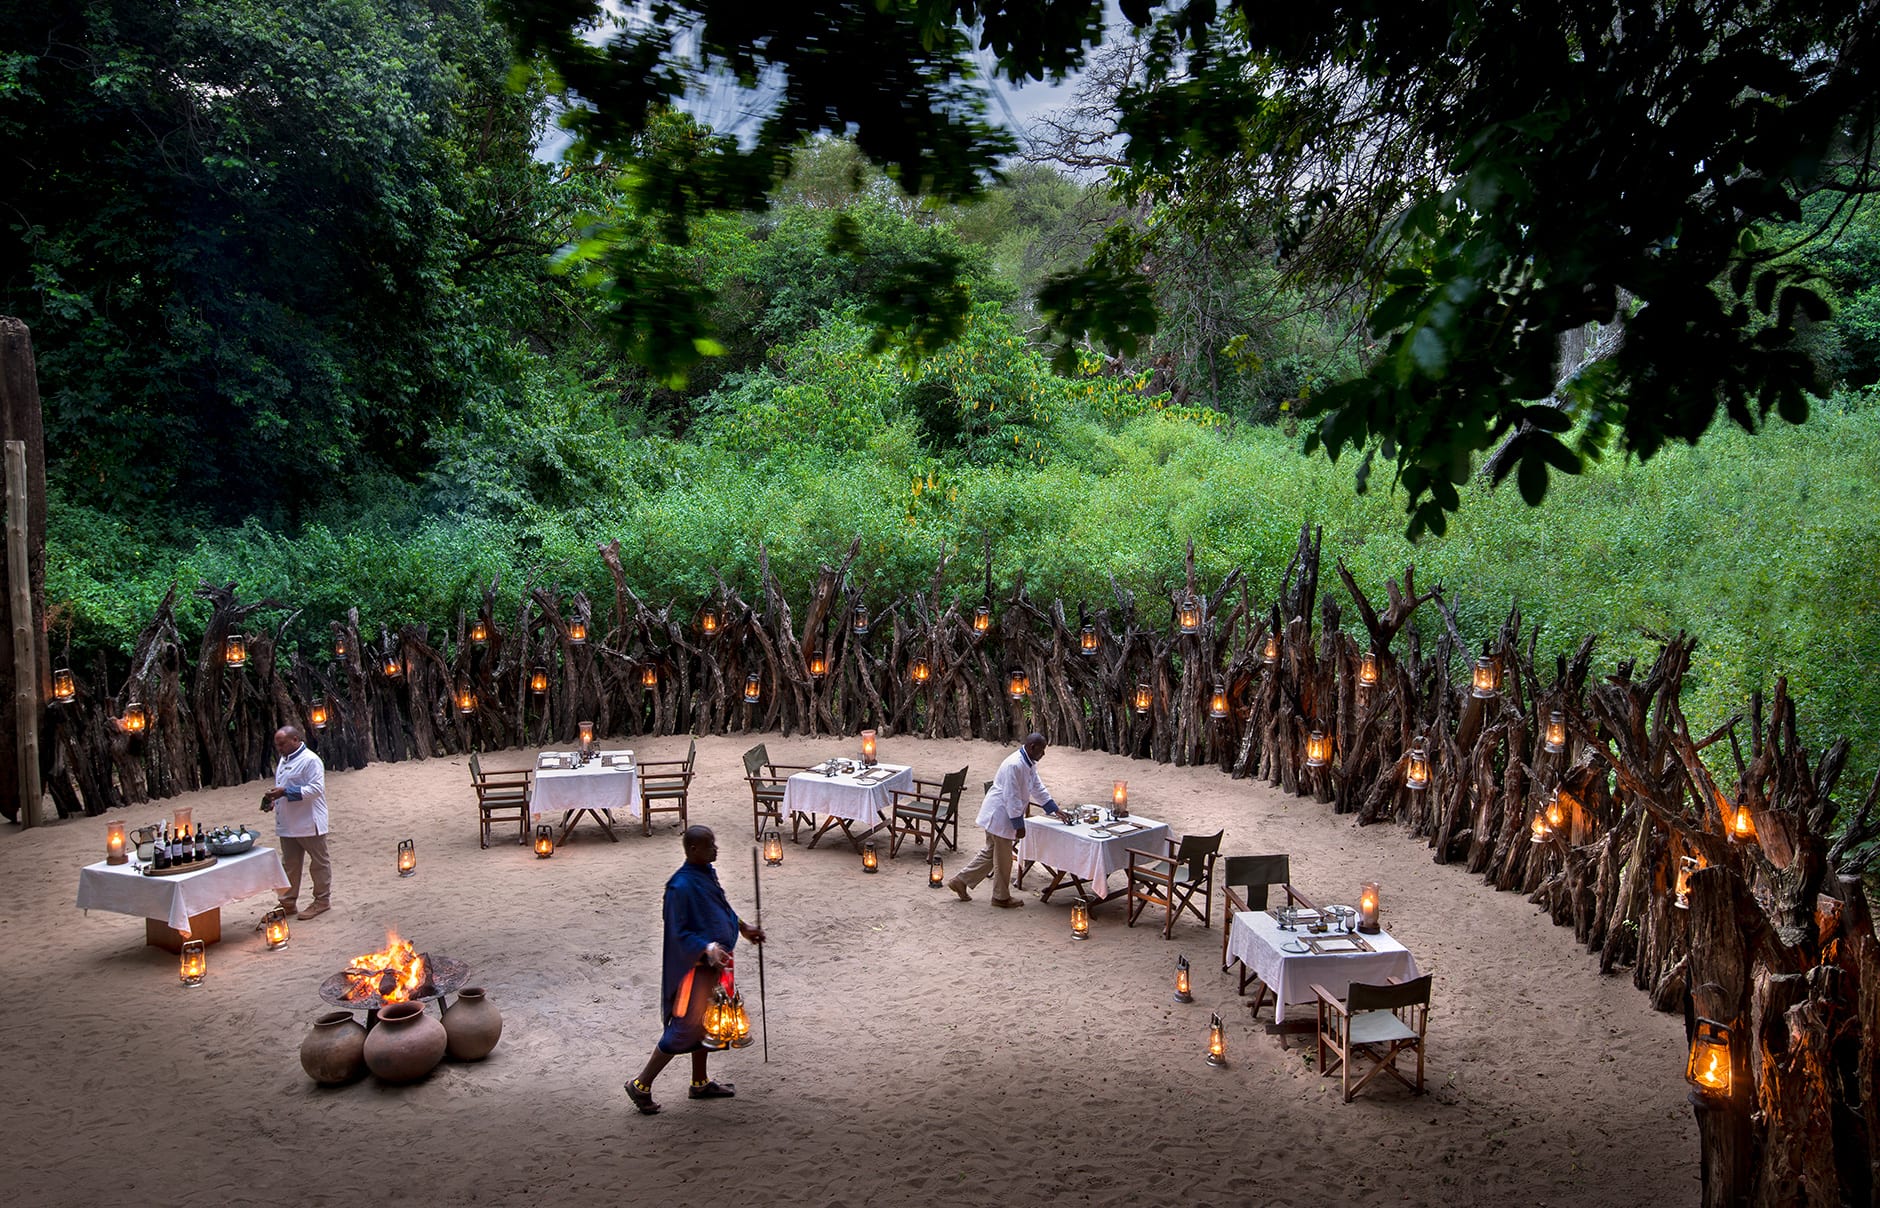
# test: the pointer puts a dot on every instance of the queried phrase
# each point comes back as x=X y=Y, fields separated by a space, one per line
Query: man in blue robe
x=701 y=930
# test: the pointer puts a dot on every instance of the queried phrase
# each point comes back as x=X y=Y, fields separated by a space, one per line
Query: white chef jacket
x=302 y=813
x=1016 y=786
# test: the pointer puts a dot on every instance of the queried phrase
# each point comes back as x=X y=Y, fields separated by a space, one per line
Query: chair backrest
x=691 y=754
x=476 y=768
x=1253 y=874
x=755 y=759
x=951 y=786
x=1366 y=997
x=1195 y=850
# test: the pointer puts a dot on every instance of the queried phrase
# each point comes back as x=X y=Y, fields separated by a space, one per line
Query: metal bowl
x=235 y=847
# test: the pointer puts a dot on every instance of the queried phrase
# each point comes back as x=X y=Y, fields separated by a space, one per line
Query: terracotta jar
x=335 y=1049
x=407 y=1044
x=473 y=1025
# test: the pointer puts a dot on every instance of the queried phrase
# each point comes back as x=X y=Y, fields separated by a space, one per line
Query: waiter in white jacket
x=1003 y=818
x=298 y=800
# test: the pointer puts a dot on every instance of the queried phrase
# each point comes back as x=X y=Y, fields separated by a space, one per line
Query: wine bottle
x=160 y=854
x=202 y=845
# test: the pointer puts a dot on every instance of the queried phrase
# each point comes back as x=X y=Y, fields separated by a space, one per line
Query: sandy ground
x=922 y=1049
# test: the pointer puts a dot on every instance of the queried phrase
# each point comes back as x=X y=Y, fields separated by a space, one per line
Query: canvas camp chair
x=502 y=797
x=1246 y=882
x=665 y=785
x=1376 y=1023
x=1173 y=879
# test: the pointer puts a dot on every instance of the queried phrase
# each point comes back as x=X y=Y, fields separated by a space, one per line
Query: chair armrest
x=899 y=795
x=644 y=764
x=1233 y=902
x=1328 y=999
x=1148 y=857
x=1295 y=898
x=505 y=776
x=786 y=769
x=767 y=782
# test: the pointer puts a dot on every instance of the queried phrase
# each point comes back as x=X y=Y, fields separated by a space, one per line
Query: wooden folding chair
x=1245 y=882
x=930 y=813
x=502 y=796
x=1378 y=1023
x=1173 y=879
x=664 y=787
x=767 y=782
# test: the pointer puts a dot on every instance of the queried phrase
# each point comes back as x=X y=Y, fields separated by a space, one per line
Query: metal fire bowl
x=447 y=977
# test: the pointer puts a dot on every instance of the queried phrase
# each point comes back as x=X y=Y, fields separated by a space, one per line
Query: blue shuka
x=697 y=915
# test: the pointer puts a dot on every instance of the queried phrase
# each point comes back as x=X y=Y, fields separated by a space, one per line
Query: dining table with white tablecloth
x=176 y=899
x=847 y=797
x=609 y=782
x=1086 y=853
x=1256 y=940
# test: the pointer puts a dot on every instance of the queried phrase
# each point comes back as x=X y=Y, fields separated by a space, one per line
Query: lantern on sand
x=544 y=841
x=538 y=681
x=1088 y=642
x=134 y=719
x=479 y=632
x=1686 y=866
x=114 y=852
x=1486 y=681
x=1018 y=684
x=1367 y=669
x=1318 y=749
x=274 y=927
x=194 y=965
x=753 y=688
x=1080 y=920
x=870 y=861
x=1188 y=615
x=1145 y=697
x=577 y=632
x=921 y=672
x=64 y=686
x=407 y=857
x=1217 y=703
x=1709 y=1066
x=1417 y=771
x=1217 y=1042
x=235 y=650
x=316 y=715
x=1181 y=980
x=868 y=747
x=773 y=847
x=982 y=620
x=1554 y=737
x=1369 y=903
x=936 y=872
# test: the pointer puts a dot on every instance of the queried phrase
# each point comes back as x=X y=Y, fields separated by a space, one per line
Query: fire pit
x=398 y=973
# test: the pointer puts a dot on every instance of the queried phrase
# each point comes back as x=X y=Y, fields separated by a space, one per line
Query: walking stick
x=763 y=1017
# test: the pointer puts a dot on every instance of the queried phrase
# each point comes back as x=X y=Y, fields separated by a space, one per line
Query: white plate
x=1295 y=947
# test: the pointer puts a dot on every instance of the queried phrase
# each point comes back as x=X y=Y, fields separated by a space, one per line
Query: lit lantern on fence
x=407 y=857
x=316 y=715
x=1370 y=902
x=1686 y=866
x=1709 y=1066
x=1181 y=980
x=114 y=852
x=870 y=860
x=274 y=927
x=1145 y=697
x=1743 y=830
x=1217 y=1042
x=753 y=688
x=818 y=665
x=544 y=841
x=393 y=668
x=868 y=747
x=708 y=622
x=466 y=700
x=584 y=734
x=982 y=620
x=1188 y=615
x=1217 y=703
x=936 y=872
x=859 y=623
x=235 y=650
x=64 y=686
x=577 y=632
x=339 y=647
x=1486 y=682
x=1417 y=774
x=1119 y=798
x=538 y=681
x=134 y=719
x=1556 y=813
x=1554 y=738
x=1080 y=920
x=479 y=632
x=1538 y=830
x=1018 y=684
x=921 y=672
x=1269 y=653
x=1088 y=642
x=1367 y=669
x=773 y=847
x=194 y=965
x=1318 y=749
x=649 y=676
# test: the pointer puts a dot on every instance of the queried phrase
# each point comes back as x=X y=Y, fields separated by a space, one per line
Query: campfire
x=396 y=973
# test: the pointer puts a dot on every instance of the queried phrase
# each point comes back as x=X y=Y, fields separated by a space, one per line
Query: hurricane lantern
x=466 y=700
x=753 y=688
x=1088 y=642
x=871 y=862
x=1018 y=684
x=1417 y=773
x=544 y=841
x=1686 y=866
x=1318 y=749
x=235 y=650
x=577 y=632
x=1269 y=653
x=181 y=820
x=538 y=681
x=858 y=624
x=1367 y=669
x=740 y=1029
x=773 y=847
x=649 y=676
x=1080 y=920
x=1119 y=798
x=64 y=686
x=407 y=857
x=1743 y=830
x=393 y=668
x=1554 y=738
x=1556 y=813
x=1369 y=901
x=479 y=632
x=1709 y=1066
x=134 y=718
x=1145 y=696
x=1217 y=1042
x=274 y=927
x=1181 y=980
x=339 y=647
x=982 y=620
x=1538 y=830
x=708 y=622
x=584 y=732
x=194 y=965
x=1486 y=681
x=868 y=747
x=818 y=665
x=1217 y=703
x=317 y=716
x=922 y=671
x=718 y=1024
x=114 y=852
x=1188 y=616
x=936 y=872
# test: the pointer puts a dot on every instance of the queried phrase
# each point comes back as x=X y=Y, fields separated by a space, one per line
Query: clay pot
x=407 y=1044
x=473 y=1025
x=335 y=1049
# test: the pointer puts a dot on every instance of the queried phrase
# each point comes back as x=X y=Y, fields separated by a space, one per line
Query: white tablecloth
x=845 y=796
x=590 y=787
x=1085 y=852
x=1256 y=939
x=173 y=900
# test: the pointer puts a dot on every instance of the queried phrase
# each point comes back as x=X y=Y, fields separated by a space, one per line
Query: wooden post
x=20 y=420
x=25 y=655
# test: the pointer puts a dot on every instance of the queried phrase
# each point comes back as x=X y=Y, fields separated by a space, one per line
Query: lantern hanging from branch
x=1370 y=901
x=1088 y=642
x=1181 y=980
x=1554 y=738
x=1538 y=830
x=870 y=860
x=393 y=668
x=407 y=857
x=1144 y=698
x=1417 y=771
x=235 y=650
x=1080 y=920
x=339 y=647
x=1269 y=652
x=1710 y=1066
x=936 y=872
x=1217 y=703
x=64 y=686
x=134 y=718
x=1018 y=684
x=577 y=632
x=479 y=632
x=544 y=841
x=982 y=620
x=1217 y=1042
x=1486 y=681
x=1686 y=866
x=753 y=688
x=274 y=927
x=316 y=715
x=1743 y=829
x=818 y=665
x=466 y=700
x=1367 y=669
x=649 y=676
x=1119 y=799
x=773 y=847
x=194 y=965
x=1188 y=615
x=868 y=747
x=859 y=621
x=538 y=681
x=921 y=672
x=1556 y=812
x=1318 y=749
x=114 y=850
x=708 y=622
